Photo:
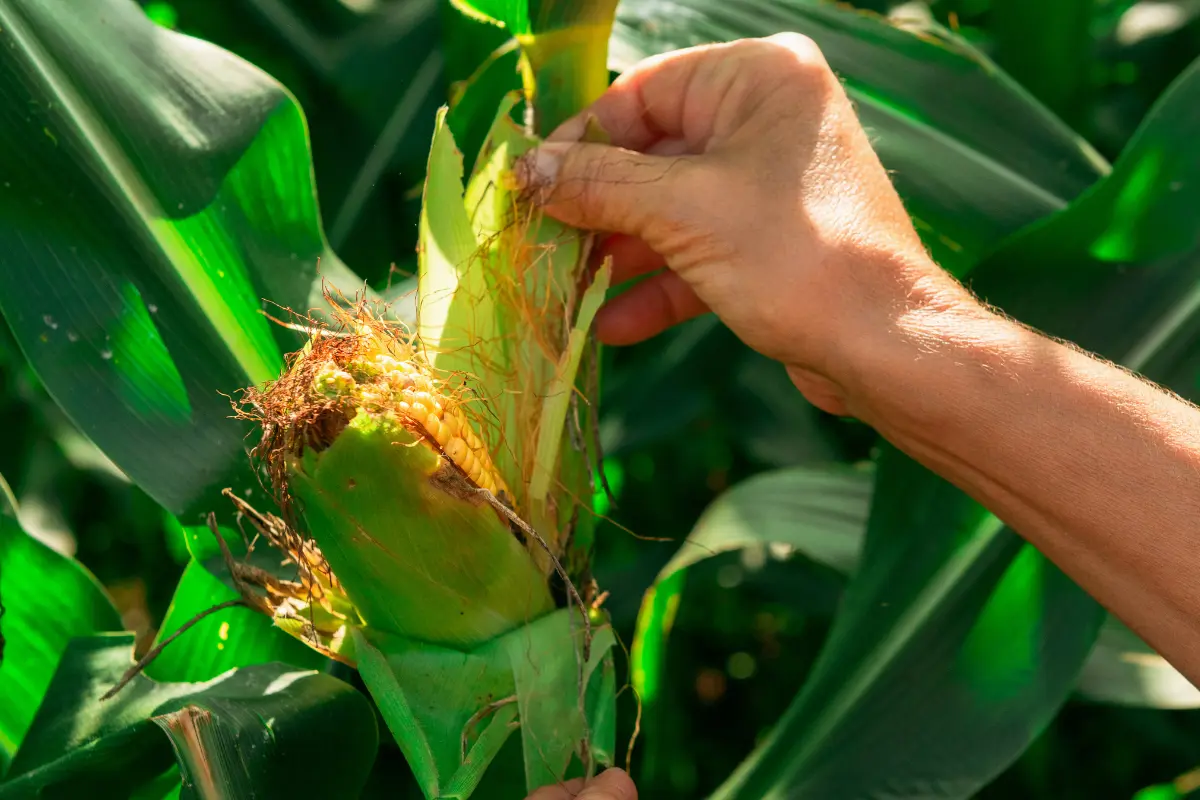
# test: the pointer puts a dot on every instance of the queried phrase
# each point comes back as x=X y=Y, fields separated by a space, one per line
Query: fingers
x=692 y=94
x=605 y=188
x=558 y=791
x=647 y=310
x=644 y=104
x=612 y=784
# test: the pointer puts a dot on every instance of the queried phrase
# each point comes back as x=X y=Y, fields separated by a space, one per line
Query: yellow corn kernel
x=456 y=450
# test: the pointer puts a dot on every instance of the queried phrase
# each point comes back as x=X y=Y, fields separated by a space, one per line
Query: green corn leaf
x=232 y=637
x=947 y=655
x=949 y=609
x=263 y=731
x=442 y=703
x=47 y=599
x=156 y=188
x=1050 y=51
x=926 y=97
x=817 y=512
x=1126 y=255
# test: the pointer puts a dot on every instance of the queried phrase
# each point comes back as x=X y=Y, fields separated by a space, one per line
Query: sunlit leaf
x=818 y=513
x=262 y=731
x=233 y=637
x=156 y=188
x=564 y=44
x=47 y=599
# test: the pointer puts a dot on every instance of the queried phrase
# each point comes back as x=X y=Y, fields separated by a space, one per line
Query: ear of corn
x=438 y=478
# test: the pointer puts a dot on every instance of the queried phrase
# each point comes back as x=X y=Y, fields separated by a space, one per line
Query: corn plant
x=432 y=480
x=385 y=506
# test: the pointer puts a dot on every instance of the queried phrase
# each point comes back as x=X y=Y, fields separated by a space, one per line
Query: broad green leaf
x=1124 y=670
x=428 y=695
x=441 y=704
x=232 y=637
x=262 y=731
x=927 y=98
x=1126 y=255
x=1049 y=49
x=945 y=658
x=957 y=642
x=819 y=513
x=47 y=599
x=156 y=189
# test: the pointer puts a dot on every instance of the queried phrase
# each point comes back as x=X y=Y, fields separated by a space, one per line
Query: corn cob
x=387 y=375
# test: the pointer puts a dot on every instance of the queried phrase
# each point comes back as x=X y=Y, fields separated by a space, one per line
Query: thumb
x=601 y=187
x=612 y=784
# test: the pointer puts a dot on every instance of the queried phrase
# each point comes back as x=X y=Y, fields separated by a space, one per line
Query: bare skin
x=740 y=178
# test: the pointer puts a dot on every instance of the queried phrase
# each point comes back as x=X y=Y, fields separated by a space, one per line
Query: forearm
x=1098 y=469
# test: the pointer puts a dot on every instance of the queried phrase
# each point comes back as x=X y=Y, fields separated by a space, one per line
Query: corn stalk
x=435 y=479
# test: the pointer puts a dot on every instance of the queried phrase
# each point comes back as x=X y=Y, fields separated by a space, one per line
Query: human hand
x=612 y=784
x=743 y=169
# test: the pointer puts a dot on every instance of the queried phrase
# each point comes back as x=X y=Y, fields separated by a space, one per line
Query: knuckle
x=797 y=53
x=693 y=219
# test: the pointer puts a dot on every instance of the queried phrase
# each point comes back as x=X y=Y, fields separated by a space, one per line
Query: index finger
x=646 y=103
x=693 y=95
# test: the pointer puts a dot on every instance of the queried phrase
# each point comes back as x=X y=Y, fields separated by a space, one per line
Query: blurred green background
x=683 y=416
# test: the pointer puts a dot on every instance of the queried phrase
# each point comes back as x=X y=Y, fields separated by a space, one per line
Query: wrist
x=929 y=351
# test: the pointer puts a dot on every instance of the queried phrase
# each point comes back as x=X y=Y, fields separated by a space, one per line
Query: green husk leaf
x=441 y=702
x=544 y=659
x=455 y=318
x=428 y=695
x=416 y=556
x=501 y=316
x=558 y=396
